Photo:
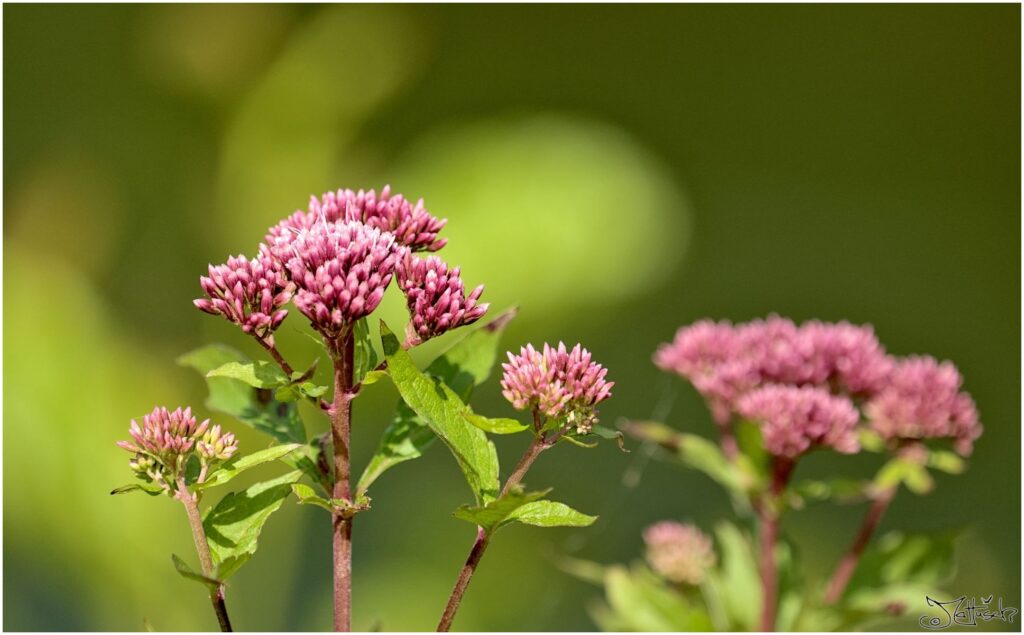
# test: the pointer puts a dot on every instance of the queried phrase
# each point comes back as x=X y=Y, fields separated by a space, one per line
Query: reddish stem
x=195 y=521
x=770 y=512
x=848 y=564
x=341 y=428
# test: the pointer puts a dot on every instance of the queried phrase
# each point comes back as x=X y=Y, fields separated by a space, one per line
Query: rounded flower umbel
x=411 y=225
x=249 y=293
x=557 y=383
x=436 y=297
x=166 y=440
x=922 y=400
x=340 y=271
x=679 y=552
x=795 y=419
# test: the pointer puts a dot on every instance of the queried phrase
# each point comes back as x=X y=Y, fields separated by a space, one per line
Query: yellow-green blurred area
x=615 y=171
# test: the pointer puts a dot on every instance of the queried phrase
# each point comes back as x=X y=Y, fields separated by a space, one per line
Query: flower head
x=340 y=271
x=249 y=293
x=848 y=355
x=557 y=383
x=435 y=296
x=794 y=419
x=679 y=552
x=921 y=400
x=411 y=225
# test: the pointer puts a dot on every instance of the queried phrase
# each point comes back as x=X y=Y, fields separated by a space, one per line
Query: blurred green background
x=615 y=171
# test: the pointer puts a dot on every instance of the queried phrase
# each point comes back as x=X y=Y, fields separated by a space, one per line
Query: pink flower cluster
x=744 y=368
x=166 y=439
x=436 y=296
x=340 y=271
x=922 y=400
x=794 y=419
x=249 y=293
x=556 y=382
x=680 y=553
x=335 y=261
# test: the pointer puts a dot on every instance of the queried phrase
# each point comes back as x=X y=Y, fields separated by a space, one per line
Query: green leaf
x=946 y=461
x=497 y=512
x=550 y=514
x=608 y=433
x=573 y=439
x=259 y=374
x=150 y=488
x=186 y=572
x=585 y=570
x=695 y=452
x=234 y=467
x=640 y=601
x=234 y=525
x=307 y=496
x=445 y=414
x=296 y=391
x=366 y=356
x=466 y=364
x=496 y=426
x=255 y=407
x=736 y=580
x=904 y=471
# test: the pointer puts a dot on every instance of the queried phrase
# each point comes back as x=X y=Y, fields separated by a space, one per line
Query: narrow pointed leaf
x=150 y=488
x=496 y=426
x=258 y=374
x=233 y=468
x=186 y=572
x=495 y=513
x=445 y=414
x=466 y=364
x=550 y=514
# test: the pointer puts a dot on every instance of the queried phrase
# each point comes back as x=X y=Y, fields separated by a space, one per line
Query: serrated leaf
x=234 y=524
x=258 y=374
x=550 y=514
x=255 y=407
x=150 y=488
x=466 y=364
x=186 y=572
x=496 y=426
x=234 y=467
x=495 y=513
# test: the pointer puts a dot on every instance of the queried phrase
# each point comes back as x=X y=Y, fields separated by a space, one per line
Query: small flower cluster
x=249 y=293
x=335 y=261
x=922 y=400
x=340 y=271
x=680 y=553
x=557 y=383
x=793 y=419
x=165 y=441
x=739 y=369
x=436 y=296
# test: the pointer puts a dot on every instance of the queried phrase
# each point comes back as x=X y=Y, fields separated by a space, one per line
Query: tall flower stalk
x=561 y=388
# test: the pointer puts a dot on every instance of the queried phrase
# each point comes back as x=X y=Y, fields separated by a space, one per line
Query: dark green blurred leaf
x=236 y=466
x=150 y=488
x=234 y=525
x=258 y=374
x=186 y=572
x=255 y=407
x=496 y=426
x=497 y=512
x=694 y=451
